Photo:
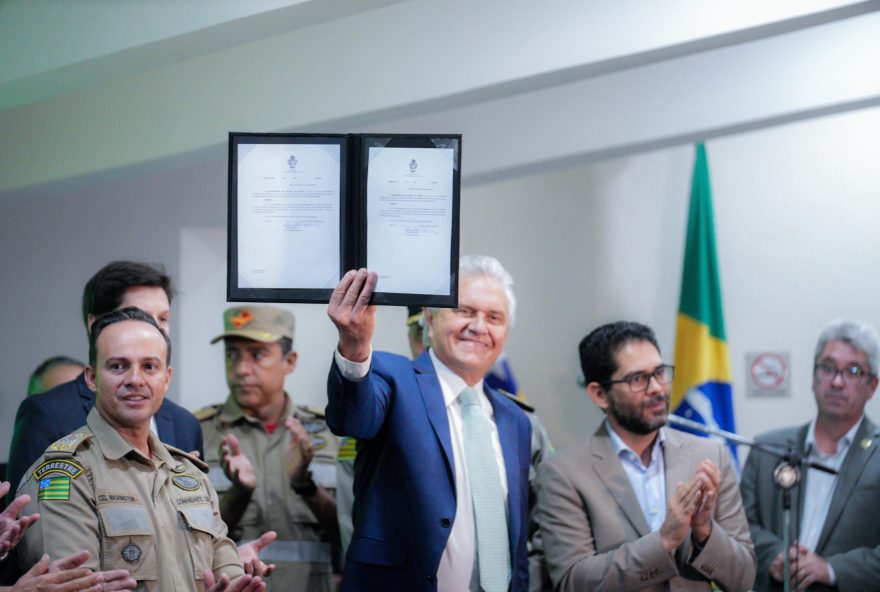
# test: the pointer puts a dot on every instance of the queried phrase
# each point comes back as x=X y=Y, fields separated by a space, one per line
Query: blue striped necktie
x=493 y=552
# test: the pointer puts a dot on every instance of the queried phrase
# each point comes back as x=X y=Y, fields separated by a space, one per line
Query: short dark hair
x=129 y=313
x=34 y=382
x=106 y=289
x=597 y=350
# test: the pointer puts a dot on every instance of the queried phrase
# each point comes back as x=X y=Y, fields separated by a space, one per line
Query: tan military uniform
x=302 y=552
x=158 y=518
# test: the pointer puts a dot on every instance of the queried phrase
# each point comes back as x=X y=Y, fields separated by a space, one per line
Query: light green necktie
x=493 y=552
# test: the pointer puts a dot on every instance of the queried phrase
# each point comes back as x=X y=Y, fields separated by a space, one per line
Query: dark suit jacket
x=596 y=536
x=42 y=419
x=405 y=477
x=850 y=538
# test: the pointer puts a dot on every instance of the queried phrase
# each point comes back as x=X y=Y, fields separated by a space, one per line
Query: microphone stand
x=786 y=476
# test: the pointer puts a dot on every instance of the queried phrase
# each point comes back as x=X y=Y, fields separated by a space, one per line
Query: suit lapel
x=509 y=440
x=165 y=425
x=435 y=407
x=850 y=472
x=86 y=395
x=610 y=471
x=676 y=462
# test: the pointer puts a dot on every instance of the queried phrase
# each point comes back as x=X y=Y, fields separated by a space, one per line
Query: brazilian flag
x=701 y=390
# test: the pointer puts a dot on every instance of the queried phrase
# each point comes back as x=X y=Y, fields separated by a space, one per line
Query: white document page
x=409 y=218
x=288 y=215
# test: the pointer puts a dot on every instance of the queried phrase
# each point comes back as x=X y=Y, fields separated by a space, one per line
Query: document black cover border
x=366 y=141
x=354 y=164
x=235 y=293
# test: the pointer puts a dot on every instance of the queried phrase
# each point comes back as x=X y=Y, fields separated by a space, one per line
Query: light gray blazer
x=596 y=536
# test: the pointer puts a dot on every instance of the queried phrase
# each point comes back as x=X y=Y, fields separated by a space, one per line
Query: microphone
x=690 y=424
x=789 y=456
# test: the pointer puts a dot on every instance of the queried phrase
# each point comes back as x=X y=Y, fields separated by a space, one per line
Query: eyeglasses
x=640 y=381
x=852 y=375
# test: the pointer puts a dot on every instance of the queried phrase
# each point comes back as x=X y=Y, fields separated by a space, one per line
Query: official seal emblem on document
x=413 y=165
x=291 y=162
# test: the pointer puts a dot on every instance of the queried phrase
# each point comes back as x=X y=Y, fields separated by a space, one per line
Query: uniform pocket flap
x=200 y=518
x=125 y=520
x=377 y=552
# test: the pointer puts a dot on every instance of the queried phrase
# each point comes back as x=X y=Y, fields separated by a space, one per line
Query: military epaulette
x=208 y=412
x=189 y=456
x=521 y=402
x=316 y=411
x=67 y=445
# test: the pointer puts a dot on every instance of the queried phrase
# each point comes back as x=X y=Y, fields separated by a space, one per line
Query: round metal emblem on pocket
x=131 y=553
x=186 y=482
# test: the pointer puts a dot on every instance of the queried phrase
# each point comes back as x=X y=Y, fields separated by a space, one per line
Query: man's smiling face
x=469 y=339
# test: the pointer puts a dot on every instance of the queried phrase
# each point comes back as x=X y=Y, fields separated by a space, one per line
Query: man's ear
x=290 y=361
x=429 y=324
x=598 y=395
x=89 y=375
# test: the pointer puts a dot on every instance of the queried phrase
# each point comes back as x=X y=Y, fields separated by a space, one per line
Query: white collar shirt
x=458 y=567
x=819 y=485
x=648 y=483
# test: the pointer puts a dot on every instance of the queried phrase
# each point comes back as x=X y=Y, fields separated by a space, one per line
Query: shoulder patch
x=347 y=450
x=70 y=442
x=519 y=401
x=61 y=466
x=208 y=412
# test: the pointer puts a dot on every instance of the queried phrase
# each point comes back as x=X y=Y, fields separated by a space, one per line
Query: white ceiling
x=90 y=88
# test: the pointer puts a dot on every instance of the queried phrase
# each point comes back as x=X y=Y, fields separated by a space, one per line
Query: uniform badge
x=865 y=444
x=186 y=482
x=68 y=442
x=347 y=450
x=318 y=442
x=69 y=468
x=56 y=487
x=131 y=553
x=178 y=468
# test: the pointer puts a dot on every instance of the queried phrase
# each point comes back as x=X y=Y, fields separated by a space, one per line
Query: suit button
x=445 y=522
x=430 y=578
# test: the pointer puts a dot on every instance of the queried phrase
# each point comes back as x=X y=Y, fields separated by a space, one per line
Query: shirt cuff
x=353 y=371
x=832 y=577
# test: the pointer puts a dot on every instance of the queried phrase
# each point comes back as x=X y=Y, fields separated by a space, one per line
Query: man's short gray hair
x=484 y=265
x=857 y=334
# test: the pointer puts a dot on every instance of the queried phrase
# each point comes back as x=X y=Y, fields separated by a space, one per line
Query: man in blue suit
x=42 y=419
x=441 y=474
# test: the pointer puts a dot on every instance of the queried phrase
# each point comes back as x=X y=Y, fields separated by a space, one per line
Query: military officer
x=113 y=489
x=272 y=462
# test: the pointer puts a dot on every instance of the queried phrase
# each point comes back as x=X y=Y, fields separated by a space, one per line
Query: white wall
x=795 y=205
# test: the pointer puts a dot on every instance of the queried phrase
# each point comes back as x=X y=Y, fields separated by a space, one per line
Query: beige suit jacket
x=596 y=536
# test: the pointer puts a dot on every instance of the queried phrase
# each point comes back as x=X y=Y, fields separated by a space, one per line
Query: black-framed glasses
x=852 y=375
x=639 y=381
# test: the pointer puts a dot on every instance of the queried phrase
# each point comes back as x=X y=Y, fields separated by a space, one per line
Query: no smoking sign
x=768 y=374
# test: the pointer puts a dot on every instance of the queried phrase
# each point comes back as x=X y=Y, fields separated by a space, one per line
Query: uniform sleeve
x=68 y=519
x=226 y=557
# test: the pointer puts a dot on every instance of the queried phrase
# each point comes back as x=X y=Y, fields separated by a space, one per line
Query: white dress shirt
x=648 y=483
x=819 y=486
x=458 y=567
